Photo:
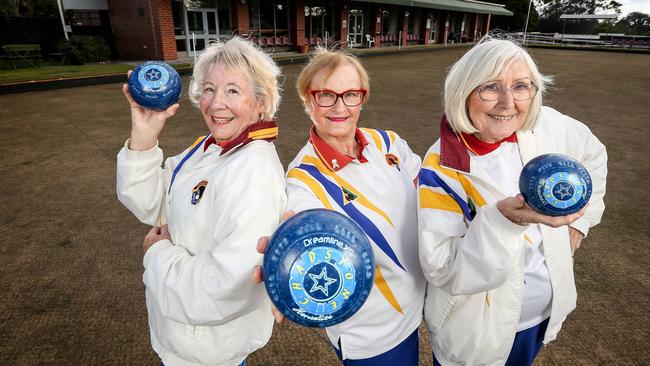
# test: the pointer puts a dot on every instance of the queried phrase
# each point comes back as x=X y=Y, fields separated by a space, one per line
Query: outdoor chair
x=351 y=41
x=370 y=40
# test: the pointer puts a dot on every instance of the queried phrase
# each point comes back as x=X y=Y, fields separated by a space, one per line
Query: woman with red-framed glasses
x=368 y=175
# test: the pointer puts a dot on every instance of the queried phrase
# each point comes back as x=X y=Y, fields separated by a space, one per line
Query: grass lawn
x=66 y=71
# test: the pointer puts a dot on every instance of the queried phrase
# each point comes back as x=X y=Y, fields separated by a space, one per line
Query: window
x=316 y=18
x=269 y=17
x=85 y=18
x=385 y=22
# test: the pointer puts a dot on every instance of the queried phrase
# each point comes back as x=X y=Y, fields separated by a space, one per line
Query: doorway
x=355 y=28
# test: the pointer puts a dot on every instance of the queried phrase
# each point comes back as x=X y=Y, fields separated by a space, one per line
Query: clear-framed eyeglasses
x=520 y=91
x=327 y=98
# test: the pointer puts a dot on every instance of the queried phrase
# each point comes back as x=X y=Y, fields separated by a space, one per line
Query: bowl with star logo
x=319 y=268
x=555 y=184
x=155 y=85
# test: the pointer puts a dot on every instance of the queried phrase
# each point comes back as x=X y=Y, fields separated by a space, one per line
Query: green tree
x=635 y=23
x=551 y=10
x=517 y=21
x=28 y=8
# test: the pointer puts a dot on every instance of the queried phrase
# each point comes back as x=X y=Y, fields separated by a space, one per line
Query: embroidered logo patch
x=349 y=196
x=471 y=207
x=197 y=191
x=391 y=159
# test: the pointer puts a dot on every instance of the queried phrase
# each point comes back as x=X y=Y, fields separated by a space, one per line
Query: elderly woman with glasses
x=215 y=200
x=368 y=175
x=500 y=275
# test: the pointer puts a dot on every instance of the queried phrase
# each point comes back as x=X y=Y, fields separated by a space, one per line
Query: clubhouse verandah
x=171 y=29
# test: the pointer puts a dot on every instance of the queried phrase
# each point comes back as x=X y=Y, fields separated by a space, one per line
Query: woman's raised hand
x=146 y=124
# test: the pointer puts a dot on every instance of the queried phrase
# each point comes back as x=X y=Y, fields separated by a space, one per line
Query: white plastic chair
x=370 y=40
x=351 y=42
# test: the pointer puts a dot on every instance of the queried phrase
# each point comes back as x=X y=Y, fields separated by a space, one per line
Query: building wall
x=143 y=29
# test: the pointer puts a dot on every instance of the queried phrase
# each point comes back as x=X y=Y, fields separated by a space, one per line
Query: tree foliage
x=551 y=10
x=635 y=23
x=517 y=21
x=28 y=8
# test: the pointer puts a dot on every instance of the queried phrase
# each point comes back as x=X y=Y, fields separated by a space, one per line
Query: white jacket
x=381 y=198
x=203 y=306
x=472 y=255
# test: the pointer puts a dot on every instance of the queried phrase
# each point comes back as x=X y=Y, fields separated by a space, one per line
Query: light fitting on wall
x=406 y=14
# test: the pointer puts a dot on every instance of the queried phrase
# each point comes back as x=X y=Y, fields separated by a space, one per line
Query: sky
x=630 y=6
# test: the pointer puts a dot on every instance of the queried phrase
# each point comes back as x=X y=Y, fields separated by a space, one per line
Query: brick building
x=169 y=29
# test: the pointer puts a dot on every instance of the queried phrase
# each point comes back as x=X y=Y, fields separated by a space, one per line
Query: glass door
x=203 y=27
x=435 y=28
x=355 y=28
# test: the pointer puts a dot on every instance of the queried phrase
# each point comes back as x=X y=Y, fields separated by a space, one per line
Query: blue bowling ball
x=319 y=268
x=155 y=85
x=555 y=184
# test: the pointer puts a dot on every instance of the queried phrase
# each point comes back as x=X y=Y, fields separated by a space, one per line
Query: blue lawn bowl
x=155 y=85
x=319 y=268
x=555 y=184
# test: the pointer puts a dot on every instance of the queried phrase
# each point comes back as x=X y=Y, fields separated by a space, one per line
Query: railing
x=582 y=40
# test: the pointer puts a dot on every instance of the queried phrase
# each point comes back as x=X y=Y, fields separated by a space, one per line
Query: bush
x=82 y=49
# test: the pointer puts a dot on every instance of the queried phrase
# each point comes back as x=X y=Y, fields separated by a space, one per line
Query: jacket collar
x=453 y=151
x=263 y=130
x=333 y=159
x=479 y=147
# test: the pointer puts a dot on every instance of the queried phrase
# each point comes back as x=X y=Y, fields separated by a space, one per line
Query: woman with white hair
x=500 y=275
x=209 y=206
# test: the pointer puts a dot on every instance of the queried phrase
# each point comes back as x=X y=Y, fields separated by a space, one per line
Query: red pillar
x=144 y=30
x=475 y=31
x=487 y=24
x=404 y=25
x=342 y=23
x=425 y=27
x=164 y=22
x=375 y=25
x=298 y=24
x=241 y=21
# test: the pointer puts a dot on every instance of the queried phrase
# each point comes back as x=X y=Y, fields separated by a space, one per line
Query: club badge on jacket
x=392 y=160
x=197 y=191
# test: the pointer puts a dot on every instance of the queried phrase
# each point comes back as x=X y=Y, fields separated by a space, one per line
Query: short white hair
x=483 y=63
x=240 y=55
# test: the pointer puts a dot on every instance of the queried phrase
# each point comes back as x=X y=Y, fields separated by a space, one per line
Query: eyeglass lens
x=351 y=98
x=520 y=91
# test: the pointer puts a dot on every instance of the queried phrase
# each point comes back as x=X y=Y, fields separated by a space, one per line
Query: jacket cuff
x=503 y=223
x=582 y=225
x=152 y=153
x=154 y=249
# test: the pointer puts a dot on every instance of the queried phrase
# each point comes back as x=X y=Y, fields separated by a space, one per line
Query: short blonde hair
x=483 y=63
x=240 y=55
x=324 y=59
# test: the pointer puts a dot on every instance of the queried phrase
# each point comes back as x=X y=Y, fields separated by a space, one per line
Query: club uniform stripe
x=433 y=161
x=385 y=290
x=366 y=224
x=312 y=184
x=361 y=199
x=393 y=136
x=195 y=146
x=263 y=133
x=438 y=201
x=375 y=137
x=384 y=136
x=427 y=177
